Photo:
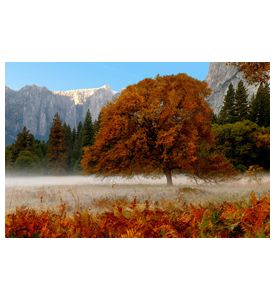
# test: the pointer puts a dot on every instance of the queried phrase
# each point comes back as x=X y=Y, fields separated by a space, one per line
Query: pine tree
x=96 y=125
x=260 y=106
x=73 y=136
x=79 y=131
x=241 y=100
x=266 y=106
x=251 y=108
x=77 y=151
x=67 y=134
x=88 y=131
x=24 y=141
x=57 y=150
x=255 y=106
x=41 y=150
x=227 y=113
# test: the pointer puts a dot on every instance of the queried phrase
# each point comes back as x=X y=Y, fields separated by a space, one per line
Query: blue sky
x=70 y=75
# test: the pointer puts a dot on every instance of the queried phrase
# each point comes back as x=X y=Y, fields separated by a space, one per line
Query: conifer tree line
x=61 y=154
x=242 y=127
x=238 y=107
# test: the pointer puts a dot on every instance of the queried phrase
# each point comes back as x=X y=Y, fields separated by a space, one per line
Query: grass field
x=79 y=192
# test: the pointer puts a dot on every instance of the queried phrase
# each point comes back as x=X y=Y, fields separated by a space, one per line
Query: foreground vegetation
x=121 y=218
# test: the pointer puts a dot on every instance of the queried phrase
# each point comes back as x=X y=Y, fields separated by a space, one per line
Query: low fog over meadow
x=79 y=192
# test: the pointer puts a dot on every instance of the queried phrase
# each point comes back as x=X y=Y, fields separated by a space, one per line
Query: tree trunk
x=168 y=175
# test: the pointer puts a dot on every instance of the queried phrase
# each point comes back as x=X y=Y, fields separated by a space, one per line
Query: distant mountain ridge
x=34 y=107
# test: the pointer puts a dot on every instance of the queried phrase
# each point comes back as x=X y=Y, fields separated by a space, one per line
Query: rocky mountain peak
x=34 y=107
x=33 y=87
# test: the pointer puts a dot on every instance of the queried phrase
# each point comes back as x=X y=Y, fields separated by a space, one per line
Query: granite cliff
x=34 y=107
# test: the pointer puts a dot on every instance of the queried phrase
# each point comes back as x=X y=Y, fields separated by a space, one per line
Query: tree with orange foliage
x=156 y=126
x=255 y=72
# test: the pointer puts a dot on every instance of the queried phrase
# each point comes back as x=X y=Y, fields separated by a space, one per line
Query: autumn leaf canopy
x=255 y=72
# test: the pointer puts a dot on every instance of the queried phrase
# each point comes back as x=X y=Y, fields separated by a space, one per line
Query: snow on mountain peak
x=79 y=96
